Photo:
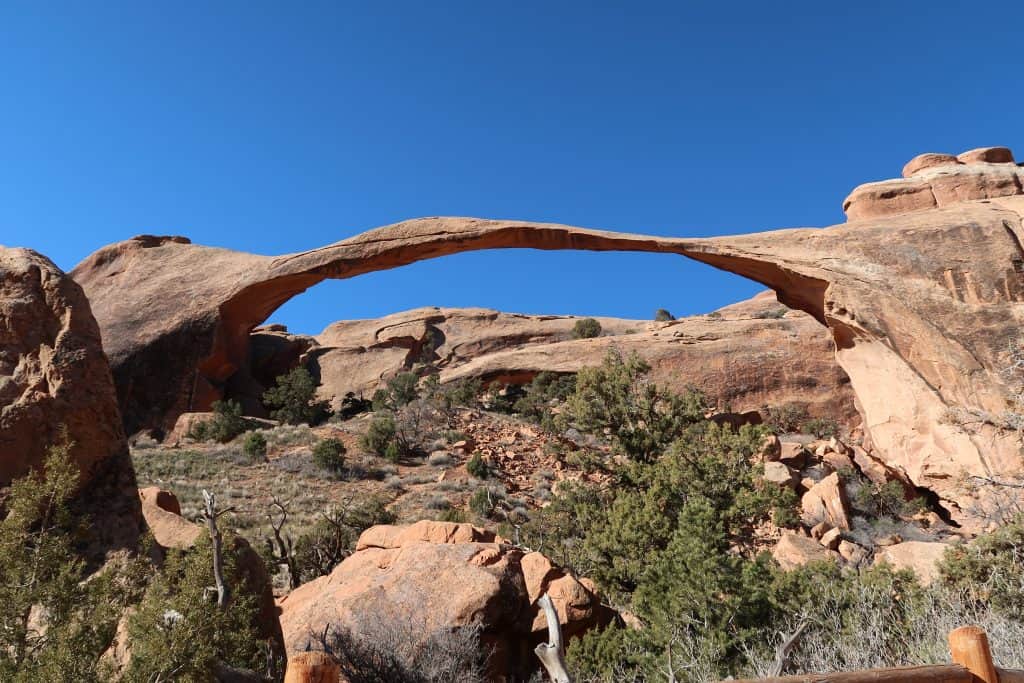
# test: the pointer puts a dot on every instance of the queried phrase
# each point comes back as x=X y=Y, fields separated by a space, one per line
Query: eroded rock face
x=748 y=355
x=936 y=180
x=55 y=383
x=442 y=575
x=923 y=306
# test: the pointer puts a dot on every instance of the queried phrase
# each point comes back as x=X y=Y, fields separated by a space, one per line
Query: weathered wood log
x=552 y=653
x=211 y=514
x=969 y=647
x=312 y=667
x=940 y=673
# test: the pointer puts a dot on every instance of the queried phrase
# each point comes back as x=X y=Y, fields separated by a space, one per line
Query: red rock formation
x=923 y=305
x=742 y=356
x=55 y=383
x=442 y=575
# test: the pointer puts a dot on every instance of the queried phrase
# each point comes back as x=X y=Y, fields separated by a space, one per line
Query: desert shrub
x=439 y=459
x=663 y=316
x=255 y=445
x=786 y=418
x=482 y=502
x=641 y=418
x=293 y=399
x=386 y=646
x=884 y=500
x=352 y=405
x=586 y=328
x=333 y=537
x=545 y=391
x=329 y=454
x=400 y=390
x=227 y=423
x=991 y=569
x=42 y=575
x=477 y=467
x=464 y=392
x=178 y=632
x=380 y=434
x=820 y=427
x=772 y=313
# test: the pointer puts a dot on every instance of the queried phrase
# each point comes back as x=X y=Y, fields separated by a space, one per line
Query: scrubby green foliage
x=333 y=538
x=381 y=434
x=401 y=390
x=329 y=454
x=663 y=316
x=53 y=626
x=546 y=390
x=178 y=632
x=991 y=569
x=227 y=423
x=255 y=445
x=586 y=328
x=293 y=399
x=641 y=418
x=477 y=467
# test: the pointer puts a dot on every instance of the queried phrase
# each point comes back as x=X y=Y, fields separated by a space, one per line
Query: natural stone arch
x=930 y=298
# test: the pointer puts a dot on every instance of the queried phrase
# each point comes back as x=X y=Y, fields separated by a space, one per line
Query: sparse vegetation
x=663 y=316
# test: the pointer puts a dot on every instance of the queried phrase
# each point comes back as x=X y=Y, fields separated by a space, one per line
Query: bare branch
x=552 y=653
x=211 y=514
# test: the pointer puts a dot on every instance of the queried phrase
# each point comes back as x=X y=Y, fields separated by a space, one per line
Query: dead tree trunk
x=211 y=514
x=552 y=653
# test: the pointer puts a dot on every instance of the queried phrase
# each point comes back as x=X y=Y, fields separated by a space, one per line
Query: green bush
x=477 y=467
x=641 y=418
x=255 y=445
x=380 y=434
x=821 y=427
x=227 y=423
x=401 y=390
x=179 y=633
x=547 y=389
x=586 y=328
x=663 y=316
x=329 y=454
x=482 y=502
x=990 y=570
x=54 y=625
x=293 y=399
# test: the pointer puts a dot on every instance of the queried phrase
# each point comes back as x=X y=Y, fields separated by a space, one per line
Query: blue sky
x=277 y=127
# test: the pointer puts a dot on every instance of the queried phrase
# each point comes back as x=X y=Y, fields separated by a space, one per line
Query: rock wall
x=55 y=384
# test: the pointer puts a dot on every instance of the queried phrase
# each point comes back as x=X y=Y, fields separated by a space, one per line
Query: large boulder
x=920 y=557
x=439 y=576
x=55 y=385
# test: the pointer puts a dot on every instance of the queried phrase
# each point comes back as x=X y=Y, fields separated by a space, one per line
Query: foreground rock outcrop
x=438 y=576
x=56 y=385
x=924 y=307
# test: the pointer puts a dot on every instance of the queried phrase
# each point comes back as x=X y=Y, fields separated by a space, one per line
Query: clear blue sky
x=275 y=127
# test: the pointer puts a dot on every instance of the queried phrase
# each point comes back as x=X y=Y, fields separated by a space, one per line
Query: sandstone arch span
x=923 y=307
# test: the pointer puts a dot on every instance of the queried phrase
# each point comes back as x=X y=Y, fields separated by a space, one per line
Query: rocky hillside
x=744 y=357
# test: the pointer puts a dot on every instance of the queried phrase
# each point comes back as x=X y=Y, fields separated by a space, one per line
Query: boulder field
x=921 y=291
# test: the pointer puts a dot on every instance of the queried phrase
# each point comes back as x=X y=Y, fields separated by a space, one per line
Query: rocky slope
x=923 y=301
